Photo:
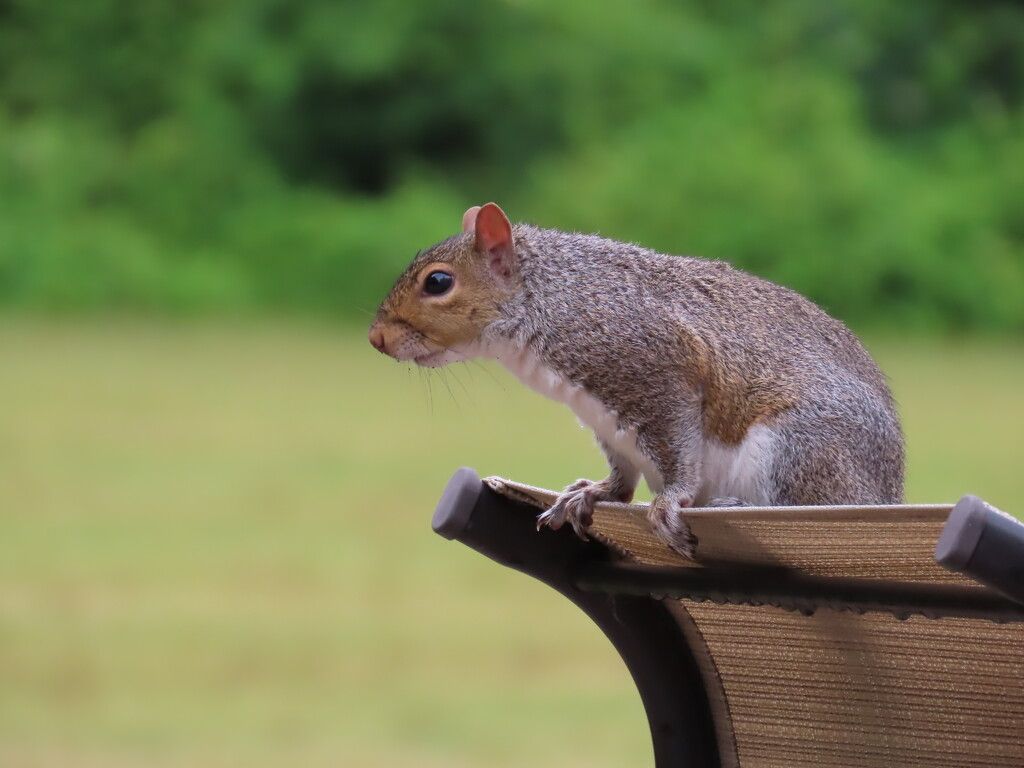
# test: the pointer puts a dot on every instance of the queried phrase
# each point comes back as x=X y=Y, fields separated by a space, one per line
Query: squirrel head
x=449 y=294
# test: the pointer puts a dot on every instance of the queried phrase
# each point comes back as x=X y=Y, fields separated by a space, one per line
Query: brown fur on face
x=412 y=324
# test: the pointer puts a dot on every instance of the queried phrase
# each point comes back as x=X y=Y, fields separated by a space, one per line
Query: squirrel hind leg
x=852 y=457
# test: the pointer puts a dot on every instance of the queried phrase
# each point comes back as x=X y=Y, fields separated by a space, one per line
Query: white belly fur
x=740 y=471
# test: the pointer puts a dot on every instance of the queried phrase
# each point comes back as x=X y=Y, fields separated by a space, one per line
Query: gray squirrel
x=720 y=388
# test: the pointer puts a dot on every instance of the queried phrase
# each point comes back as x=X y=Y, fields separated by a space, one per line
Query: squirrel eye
x=437 y=283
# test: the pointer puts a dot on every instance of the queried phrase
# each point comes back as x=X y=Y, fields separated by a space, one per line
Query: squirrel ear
x=469 y=219
x=494 y=238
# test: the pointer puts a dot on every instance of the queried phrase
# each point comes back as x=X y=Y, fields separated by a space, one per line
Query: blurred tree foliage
x=193 y=156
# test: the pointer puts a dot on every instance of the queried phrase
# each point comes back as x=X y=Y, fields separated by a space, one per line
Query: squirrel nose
x=377 y=339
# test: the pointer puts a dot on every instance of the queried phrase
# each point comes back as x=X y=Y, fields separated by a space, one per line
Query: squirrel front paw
x=576 y=505
x=668 y=523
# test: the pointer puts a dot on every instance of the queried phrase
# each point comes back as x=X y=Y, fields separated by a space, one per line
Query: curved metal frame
x=643 y=631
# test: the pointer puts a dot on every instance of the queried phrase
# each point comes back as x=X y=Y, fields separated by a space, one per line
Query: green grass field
x=216 y=549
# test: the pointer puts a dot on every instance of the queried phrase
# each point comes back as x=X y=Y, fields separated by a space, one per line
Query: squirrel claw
x=685 y=544
x=580 y=528
x=552 y=518
x=670 y=526
x=575 y=506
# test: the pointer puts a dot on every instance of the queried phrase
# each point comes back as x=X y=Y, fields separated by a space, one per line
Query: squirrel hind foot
x=729 y=501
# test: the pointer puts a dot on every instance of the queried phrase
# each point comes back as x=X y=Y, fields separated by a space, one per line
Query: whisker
x=443 y=374
x=430 y=390
x=490 y=373
x=459 y=382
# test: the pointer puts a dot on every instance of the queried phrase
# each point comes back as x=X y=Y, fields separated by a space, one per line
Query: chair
x=847 y=637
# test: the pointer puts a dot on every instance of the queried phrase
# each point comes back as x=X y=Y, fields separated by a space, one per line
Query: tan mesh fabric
x=837 y=689
x=880 y=542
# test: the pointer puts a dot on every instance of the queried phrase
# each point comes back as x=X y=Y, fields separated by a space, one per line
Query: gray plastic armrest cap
x=961 y=534
x=985 y=544
x=456 y=505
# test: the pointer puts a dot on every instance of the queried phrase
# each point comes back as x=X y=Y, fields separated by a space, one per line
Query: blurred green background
x=275 y=154
x=215 y=496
